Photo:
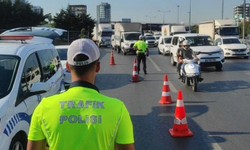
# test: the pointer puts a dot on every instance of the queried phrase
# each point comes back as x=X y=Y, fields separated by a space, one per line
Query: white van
x=30 y=69
x=202 y=44
x=164 y=45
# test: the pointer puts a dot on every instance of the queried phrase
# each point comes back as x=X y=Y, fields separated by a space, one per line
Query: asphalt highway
x=218 y=114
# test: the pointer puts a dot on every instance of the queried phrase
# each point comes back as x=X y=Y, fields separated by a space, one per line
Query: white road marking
x=172 y=88
x=157 y=67
x=211 y=141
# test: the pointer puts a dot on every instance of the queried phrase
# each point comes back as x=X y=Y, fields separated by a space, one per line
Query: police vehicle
x=30 y=69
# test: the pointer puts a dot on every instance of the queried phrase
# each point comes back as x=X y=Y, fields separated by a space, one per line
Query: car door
x=52 y=71
x=31 y=74
x=174 y=47
x=161 y=44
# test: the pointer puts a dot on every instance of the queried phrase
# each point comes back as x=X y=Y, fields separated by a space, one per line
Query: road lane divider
x=155 y=65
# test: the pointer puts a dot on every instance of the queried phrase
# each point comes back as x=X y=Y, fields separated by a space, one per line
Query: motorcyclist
x=187 y=53
x=178 y=56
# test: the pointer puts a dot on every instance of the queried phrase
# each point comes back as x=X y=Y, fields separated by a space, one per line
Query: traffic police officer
x=142 y=51
x=81 y=117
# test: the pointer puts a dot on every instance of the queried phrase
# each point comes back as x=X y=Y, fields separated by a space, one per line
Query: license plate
x=238 y=52
x=210 y=60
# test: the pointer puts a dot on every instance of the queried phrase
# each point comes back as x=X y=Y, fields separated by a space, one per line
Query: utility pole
x=164 y=14
x=178 y=14
x=150 y=21
x=222 y=9
x=190 y=16
x=244 y=17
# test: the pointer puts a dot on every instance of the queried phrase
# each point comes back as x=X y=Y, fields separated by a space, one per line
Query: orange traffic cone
x=180 y=128
x=135 y=77
x=112 y=60
x=165 y=96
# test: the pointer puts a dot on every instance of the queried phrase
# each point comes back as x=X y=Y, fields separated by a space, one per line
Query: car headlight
x=228 y=49
x=127 y=43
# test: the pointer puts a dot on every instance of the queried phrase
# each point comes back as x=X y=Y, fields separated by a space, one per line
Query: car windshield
x=167 y=40
x=229 y=31
x=200 y=41
x=132 y=36
x=8 y=69
x=149 y=38
x=105 y=33
x=62 y=53
x=231 y=41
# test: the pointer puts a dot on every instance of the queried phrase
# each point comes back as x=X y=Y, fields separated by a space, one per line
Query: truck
x=102 y=34
x=169 y=30
x=219 y=28
x=125 y=36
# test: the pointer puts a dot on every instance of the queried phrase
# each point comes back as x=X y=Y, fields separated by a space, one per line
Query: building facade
x=22 y=1
x=104 y=13
x=78 y=10
x=238 y=13
x=37 y=9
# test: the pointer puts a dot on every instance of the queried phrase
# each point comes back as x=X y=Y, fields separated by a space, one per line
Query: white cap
x=82 y=46
x=141 y=37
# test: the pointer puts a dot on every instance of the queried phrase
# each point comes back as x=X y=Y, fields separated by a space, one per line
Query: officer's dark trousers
x=141 y=57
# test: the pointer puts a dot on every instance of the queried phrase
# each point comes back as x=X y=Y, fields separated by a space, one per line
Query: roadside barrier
x=165 y=96
x=135 y=77
x=180 y=128
x=112 y=60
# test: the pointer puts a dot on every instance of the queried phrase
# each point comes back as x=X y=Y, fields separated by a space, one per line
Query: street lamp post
x=190 y=16
x=150 y=20
x=222 y=10
x=244 y=17
x=178 y=13
x=164 y=14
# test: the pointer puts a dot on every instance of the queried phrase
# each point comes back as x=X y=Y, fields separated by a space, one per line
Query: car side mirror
x=39 y=88
x=121 y=40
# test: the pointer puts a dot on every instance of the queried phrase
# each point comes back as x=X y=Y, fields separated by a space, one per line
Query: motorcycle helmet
x=186 y=44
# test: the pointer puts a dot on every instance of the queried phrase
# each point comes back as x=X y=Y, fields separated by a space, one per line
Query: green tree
x=247 y=28
x=18 y=15
x=83 y=34
x=67 y=20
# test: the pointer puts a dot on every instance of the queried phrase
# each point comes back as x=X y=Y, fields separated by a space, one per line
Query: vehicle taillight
x=16 y=37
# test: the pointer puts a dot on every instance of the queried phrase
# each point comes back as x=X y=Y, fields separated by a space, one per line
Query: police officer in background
x=141 y=48
x=81 y=118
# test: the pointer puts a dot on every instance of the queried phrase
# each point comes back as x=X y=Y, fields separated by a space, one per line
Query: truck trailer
x=102 y=34
x=125 y=36
x=169 y=30
x=219 y=28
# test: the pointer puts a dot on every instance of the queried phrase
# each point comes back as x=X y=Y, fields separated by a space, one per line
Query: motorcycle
x=190 y=73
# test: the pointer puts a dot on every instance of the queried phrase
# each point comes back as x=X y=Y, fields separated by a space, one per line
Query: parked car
x=157 y=37
x=30 y=69
x=202 y=44
x=150 y=40
x=62 y=51
x=232 y=47
x=148 y=34
x=164 y=45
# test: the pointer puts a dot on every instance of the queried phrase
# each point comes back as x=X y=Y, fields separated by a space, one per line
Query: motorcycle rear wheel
x=194 y=84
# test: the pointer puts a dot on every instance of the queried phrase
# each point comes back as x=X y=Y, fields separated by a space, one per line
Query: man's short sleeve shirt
x=81 y=118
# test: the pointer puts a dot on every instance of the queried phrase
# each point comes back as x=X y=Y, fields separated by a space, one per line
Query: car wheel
x=123 y=51
x=159 y=52
x=19 y=142
x=172 y=60
x=218 y=67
